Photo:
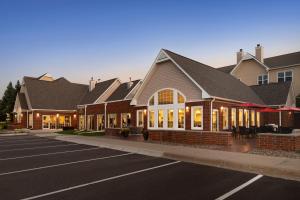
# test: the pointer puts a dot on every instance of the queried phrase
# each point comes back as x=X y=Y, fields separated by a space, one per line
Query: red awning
x=289 y=108
x=270 y=110
x=253 y=105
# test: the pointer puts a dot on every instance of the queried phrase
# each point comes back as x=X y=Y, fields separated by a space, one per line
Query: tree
x=17 y=87
x=7 y=102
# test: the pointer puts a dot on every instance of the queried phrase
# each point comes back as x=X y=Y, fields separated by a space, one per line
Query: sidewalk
x=282 y=167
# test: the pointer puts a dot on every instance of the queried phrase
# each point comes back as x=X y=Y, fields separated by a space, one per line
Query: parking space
x=44 y=168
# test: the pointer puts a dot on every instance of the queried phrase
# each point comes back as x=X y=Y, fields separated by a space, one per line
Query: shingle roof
x=99 y=89
x=59 y=94
x=23 y=101
x=214 y=82
x=122 y=91
x=272 y=62
x=273 y=93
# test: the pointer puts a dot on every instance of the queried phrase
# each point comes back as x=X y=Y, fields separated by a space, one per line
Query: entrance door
x=46 y=121
x=215 y=120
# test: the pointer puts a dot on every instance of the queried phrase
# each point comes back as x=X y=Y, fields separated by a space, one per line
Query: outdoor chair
x=234 y=132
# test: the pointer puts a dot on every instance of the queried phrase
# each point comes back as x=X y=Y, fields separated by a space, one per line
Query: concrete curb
x=13 y=134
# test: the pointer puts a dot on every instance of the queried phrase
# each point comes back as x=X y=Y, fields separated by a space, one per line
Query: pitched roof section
x=99 y=89
x=273 y=93
x=59 y=94
x=272 y=62
x=214 y=82
x=23 y=101
x=122 y=91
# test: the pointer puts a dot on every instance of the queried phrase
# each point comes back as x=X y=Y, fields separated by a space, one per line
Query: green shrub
x=125 y=132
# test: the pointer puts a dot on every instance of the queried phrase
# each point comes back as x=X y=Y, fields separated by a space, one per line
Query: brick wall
x=286 y=142
x=191 y=137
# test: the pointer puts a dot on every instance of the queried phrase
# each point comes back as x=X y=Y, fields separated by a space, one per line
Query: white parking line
x=63 y=164
x=46 y=154
x=235 y=190
x=100 y=181
x=43 y=147
x=29 y=143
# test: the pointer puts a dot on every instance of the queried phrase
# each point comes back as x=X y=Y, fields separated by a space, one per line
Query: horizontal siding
x=167 y=75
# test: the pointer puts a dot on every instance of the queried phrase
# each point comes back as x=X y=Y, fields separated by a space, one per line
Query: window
x=233 y=117
x=225 y=118
x=100 y=122
x=112 y=120
x=165 y=97
x=90 y=122
x=252 y=118
x=30 y=120
x=170 y=118
x=125 y=120
x=160 y=118
x=180 y=98
x=241 y=119
x=258 y=119
x=151 y=118
x=285 y=76
x=262 y=79
x=140 y=118
x=246 y=113
x=181 y=115
x=197 y=117
x=167 y=108
x=81 y=122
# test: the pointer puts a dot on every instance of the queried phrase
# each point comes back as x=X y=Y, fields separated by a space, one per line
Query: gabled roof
x=215 y=82
x=273 y=93
x=99 y=89
x=23 y=101
x=272 y=62
x=59 y=94
x=122 y=91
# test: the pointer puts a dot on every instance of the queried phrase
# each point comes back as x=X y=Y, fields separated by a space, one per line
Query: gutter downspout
x=27 y=120
x=85 y=117
x=105 y=104
x=211 y=112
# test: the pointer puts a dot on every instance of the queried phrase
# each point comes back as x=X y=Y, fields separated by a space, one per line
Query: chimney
x=92 y=84
x=259 y=53
x=239 y=56
x=130 y=83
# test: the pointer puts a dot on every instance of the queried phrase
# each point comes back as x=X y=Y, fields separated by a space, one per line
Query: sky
x=80 y=39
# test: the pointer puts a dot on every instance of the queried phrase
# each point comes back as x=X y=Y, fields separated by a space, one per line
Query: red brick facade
x=286 y=142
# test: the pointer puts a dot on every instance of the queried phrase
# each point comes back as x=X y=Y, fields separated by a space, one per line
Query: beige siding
x=296 y=77
x=248 y=71
x=167 y=75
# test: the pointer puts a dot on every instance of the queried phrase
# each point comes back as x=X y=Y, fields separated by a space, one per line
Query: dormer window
x=262 y=79
x=285 y=76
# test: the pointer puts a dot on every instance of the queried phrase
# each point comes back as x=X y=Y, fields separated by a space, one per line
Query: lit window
x=126 y=119
x=90 y=122
x=170 y=118
x=225 y=118
x=252 y=118
x=181 y=118
x=197 y=117
x=180 y=98
x=258 y=119
x=100 y=122
x=140 y=118
x=262 y=79
x=112 y=120
x=233 y=117
x=285 y=76
x=241 y=119
x=246 y=113
x=165 y=97
x=151 y=102
x=81 y=122
x=151 y=118
x=160 y=118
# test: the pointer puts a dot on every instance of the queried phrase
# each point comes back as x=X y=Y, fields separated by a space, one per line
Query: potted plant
x=145 y=134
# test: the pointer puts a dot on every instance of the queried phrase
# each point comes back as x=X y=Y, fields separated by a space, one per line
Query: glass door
x=46 y=121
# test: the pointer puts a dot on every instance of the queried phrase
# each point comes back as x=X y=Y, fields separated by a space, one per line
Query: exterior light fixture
x=74 y=115
x=57 y=115
x=290 y=113
x=37 y=114
x=187 y=109
x=145 y=111
x=21 y=114
x=222 y=108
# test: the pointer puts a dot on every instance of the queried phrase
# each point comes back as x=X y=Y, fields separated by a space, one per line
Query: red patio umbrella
x=270 y=110
x=253 y=105
x=289 y=108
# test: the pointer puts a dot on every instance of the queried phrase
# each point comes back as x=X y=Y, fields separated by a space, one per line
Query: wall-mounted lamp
x=21 y=114
x=290 y=113
x=57 y=115
x=74 y=115
x=37 y=114
x=187 y=109
x=145 y=111
x=222 y=108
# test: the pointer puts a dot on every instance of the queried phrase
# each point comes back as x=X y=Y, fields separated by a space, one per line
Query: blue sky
x=79 y=39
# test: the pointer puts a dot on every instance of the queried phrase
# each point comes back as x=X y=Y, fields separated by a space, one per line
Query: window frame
x=285 y=76
x=193 y=108
x=226 y=127
x=138 y=118
x=108 y=118
x=262 y=76
x=235 y=121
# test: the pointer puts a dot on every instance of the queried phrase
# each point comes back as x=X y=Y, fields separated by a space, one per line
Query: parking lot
x=43 y=168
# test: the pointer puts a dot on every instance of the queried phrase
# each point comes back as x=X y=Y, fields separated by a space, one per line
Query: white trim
x=284 y=76
x=138 y=84
x=249 y=57
x=262 y=78
x=280 y=67
x=192 y=117
x=107 y=89
x=137 y=118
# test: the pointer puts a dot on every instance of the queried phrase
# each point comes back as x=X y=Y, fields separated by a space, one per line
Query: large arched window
x=166 y=110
